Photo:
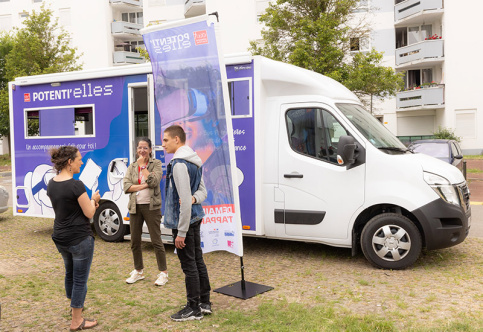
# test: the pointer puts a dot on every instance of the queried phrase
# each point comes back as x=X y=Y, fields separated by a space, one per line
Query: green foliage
x=144 y=53
x=315 y=34
x=307 y=33
x=5 y=161
x=41 y=46
x=367 y=77
x=446 y=133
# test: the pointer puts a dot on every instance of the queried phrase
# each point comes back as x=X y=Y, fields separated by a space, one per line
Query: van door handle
x=293 y=175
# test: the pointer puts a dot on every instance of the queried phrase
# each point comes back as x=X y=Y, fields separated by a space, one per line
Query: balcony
x=417 y=11
x=123 y=57
x=125 y=29
x=423 y=52
x=194 y=8
x=127 y=3
x=426 y=98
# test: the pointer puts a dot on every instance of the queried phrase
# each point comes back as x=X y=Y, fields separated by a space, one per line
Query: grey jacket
x=156 y=173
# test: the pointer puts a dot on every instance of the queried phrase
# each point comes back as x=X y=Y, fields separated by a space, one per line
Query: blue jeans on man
x=77 y=262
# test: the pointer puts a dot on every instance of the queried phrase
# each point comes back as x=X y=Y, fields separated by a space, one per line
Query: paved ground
x=475 y=183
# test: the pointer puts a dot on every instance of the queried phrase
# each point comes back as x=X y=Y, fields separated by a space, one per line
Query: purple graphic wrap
x=188 y=90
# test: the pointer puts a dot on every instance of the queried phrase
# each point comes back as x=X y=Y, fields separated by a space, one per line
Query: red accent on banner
x=201 y=37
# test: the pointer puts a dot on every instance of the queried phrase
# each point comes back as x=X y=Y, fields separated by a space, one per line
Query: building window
x=465 y=124
x=130 y=46
x=358 y=44
x=64 y=17
x=412 y=35
x=5 y=22
x=23 y=15
x=416 y=78
x=136 y=18
x=362 y=6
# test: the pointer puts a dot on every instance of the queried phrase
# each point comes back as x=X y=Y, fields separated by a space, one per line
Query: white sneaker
x=135 y=276
x=162 y=279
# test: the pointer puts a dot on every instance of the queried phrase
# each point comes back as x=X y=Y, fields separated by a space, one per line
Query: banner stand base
x=243 y=289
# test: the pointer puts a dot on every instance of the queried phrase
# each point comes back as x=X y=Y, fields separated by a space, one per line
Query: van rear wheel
x=391 y=241
x=108 y=223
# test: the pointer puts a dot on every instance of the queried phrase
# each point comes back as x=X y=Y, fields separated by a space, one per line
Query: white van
x=313 y=165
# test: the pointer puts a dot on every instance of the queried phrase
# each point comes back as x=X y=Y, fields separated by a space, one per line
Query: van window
x=314 y=132
x=59 y=122
x=240 y=97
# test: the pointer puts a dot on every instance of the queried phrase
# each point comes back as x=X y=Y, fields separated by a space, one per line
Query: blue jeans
x=77 y=262
x=194 y=268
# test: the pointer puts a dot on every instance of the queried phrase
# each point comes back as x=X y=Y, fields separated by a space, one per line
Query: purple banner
x=189 y=81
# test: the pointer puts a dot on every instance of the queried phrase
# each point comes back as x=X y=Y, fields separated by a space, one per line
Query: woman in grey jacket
x=142 y=183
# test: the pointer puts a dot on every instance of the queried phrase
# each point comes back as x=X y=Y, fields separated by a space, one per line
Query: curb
x=476 y=203
x=5 y=174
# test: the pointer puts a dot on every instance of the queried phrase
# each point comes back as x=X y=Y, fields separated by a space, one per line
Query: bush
x=446 y=133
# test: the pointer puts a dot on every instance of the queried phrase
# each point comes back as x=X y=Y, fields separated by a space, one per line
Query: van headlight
x=443 y=188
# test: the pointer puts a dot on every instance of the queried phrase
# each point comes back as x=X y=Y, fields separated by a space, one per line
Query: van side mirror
x=458 y=156
x=347 y=150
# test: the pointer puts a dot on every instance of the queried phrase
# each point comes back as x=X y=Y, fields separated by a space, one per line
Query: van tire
x=108 y=222
x=385 y=250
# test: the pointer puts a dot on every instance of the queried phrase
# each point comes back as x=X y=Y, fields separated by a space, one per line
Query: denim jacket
x=172 y=206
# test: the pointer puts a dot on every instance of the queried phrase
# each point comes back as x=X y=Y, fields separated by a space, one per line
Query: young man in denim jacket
x=185 y=190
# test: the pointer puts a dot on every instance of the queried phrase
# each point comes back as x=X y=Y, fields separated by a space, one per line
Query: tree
x=41 y=46
x=368 y=78
x=6 y=45
x=316 y=35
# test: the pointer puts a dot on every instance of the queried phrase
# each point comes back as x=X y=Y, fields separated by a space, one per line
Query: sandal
x=82 y=326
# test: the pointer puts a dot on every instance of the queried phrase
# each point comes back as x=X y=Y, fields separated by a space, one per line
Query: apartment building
x=431 y=42
x=437 y=54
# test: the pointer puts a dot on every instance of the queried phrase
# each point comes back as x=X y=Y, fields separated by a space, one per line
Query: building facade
x=427 y=40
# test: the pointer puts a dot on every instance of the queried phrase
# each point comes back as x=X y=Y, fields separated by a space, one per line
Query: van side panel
x=240 y=82
x=90 y=114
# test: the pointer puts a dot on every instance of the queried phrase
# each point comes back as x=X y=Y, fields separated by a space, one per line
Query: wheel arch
x=372 y=211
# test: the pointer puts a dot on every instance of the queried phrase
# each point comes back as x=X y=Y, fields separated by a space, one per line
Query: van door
x=320 y=196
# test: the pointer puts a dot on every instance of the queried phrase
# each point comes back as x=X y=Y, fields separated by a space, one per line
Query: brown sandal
x=82 y=326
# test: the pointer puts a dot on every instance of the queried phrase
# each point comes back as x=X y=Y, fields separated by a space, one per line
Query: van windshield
x=371 y=128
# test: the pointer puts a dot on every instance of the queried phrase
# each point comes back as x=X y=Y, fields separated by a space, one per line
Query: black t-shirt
x=71 y=226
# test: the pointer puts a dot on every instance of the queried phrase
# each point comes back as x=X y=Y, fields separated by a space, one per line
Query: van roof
x=284 y=78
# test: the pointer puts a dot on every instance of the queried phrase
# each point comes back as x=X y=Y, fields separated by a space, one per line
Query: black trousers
x=194 y=268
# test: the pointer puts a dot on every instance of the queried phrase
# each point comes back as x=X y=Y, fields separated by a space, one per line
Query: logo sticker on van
x=26 y=97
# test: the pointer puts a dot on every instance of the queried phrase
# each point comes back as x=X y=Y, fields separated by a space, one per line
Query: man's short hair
x=176 y=130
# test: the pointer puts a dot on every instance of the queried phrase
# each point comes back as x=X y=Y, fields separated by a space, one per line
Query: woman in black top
x=72 y=231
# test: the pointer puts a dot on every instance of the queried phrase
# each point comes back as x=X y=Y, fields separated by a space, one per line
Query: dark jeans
x=77 y=262
x=153 y=221
x=191 y=259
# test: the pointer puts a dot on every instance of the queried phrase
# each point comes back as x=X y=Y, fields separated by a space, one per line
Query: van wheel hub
x=391 y=242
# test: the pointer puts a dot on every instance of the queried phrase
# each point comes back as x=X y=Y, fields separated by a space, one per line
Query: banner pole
x=242 y=273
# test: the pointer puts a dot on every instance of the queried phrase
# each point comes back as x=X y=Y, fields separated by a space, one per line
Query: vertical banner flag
x=190 y=89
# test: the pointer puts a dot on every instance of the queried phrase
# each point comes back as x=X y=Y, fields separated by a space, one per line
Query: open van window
x=371 y=128
x=314 y=132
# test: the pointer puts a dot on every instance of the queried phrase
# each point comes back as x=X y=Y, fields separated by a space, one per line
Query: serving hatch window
x=60 y=121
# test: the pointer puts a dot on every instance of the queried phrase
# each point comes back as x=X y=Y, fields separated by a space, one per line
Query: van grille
x=464 y=195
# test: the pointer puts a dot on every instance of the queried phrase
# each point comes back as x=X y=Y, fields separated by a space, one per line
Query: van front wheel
x=391 y=241
x=108 y=222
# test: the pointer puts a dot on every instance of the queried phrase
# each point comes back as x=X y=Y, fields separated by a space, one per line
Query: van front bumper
x=444 y=224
